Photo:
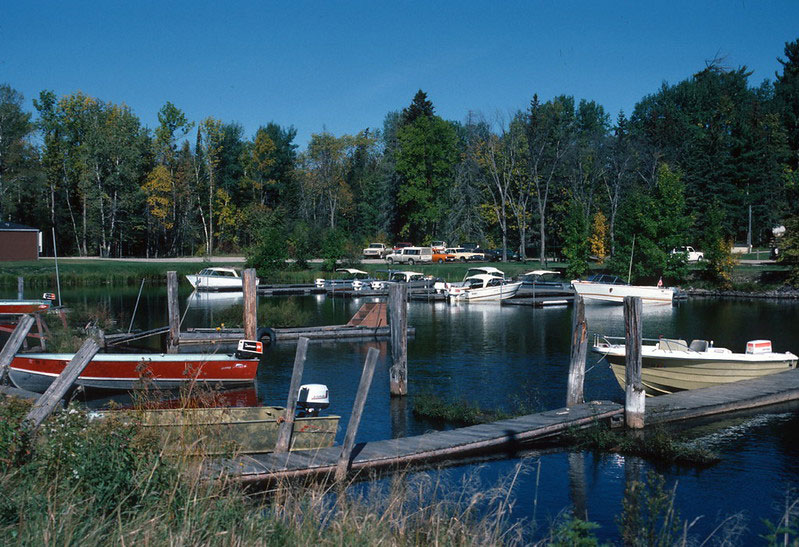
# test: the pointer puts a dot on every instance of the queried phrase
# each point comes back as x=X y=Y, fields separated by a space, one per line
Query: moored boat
x=217 y=279
x=351 y=278
x=126 y=371
x=604 y=288
x=18 y=307
x=669 y=365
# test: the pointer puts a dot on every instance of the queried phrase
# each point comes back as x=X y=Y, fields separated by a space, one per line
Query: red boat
x=118 y=371
x=23 y=306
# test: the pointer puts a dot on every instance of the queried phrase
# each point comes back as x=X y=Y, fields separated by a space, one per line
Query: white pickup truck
x=691 y=255
x=375 y=250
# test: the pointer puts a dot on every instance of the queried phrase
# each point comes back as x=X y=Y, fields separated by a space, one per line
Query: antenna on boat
x=630 y=270
x=57 y=278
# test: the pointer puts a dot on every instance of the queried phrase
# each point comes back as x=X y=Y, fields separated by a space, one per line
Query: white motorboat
x=414 y=280
x=350 y=278
x=613 y=289
x=669 y=365
x=217 y=279
x=483 y=287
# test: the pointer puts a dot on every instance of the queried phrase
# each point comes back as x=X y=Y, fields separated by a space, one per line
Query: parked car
x=439 y=245
x=691 y=255
x=439 y=257
x=495 y=255
x=470 y=246
x=463 y=255
x=375 y=250
x=411 y=255
x=402 y=245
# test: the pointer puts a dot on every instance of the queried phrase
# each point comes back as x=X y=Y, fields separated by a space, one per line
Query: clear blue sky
x=344 y=65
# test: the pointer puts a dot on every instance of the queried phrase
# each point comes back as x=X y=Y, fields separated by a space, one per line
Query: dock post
x=20 y=287
x=635 y=396
x=283 y=443
x=343 y=465
x=579 y=345
x=13 y=344
x=249 y=288
x=173 y=310
x=398 y=374
x=44 y=406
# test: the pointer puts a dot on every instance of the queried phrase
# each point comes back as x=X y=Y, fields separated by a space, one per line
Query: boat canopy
x=541 y=272
x=406 y=276
x=484 y=270
x=352 y=271
x=220 y=272
x=482 y=280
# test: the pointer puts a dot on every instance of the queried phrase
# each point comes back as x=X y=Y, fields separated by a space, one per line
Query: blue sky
x=344 y=65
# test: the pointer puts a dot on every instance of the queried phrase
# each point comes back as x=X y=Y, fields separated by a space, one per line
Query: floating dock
x=540 y=302
x=290 y=289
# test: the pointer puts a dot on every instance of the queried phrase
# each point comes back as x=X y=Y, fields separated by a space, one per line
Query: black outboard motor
x=249 y=349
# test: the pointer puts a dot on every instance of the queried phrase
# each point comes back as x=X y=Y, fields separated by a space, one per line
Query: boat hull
x=230 y=430
x=614 y=294
x=35 y=372
x=664 y=374
x=23 y=306
x=486 y=294
x=215 y=283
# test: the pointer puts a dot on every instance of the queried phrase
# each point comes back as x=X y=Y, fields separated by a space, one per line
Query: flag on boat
x=660 y=282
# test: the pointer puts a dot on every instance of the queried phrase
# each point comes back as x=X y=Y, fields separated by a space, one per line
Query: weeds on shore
x=278 y=313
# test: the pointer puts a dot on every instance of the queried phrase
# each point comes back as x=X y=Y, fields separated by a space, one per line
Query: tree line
x=703 y=162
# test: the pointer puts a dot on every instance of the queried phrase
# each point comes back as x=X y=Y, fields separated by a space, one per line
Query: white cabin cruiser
x=600 y=288
x=669 y=365
x=217 y=279
x=483 y=287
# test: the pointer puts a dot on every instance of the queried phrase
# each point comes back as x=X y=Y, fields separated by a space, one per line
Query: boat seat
x=669 y=344
x=698 y=345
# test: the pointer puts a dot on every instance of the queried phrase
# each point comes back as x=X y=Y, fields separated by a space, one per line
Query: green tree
x=786 y=90
x=576 y=243
x=425 y=161
x=717 y=246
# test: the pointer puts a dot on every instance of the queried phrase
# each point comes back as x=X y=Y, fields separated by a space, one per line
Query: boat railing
x=600 y=339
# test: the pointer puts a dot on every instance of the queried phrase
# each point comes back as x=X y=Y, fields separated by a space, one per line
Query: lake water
x=500 y=356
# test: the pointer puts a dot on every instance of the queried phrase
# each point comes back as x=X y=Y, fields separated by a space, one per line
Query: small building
x=19 y=242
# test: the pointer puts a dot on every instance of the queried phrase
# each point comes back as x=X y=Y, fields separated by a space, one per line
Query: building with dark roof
x=19 y=242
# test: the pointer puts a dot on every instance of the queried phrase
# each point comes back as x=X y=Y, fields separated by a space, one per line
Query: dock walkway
x=513 y=434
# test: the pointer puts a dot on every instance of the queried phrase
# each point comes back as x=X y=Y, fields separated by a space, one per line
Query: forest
x=708 y=161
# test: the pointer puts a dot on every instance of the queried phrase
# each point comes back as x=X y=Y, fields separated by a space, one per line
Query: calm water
x=499 y=356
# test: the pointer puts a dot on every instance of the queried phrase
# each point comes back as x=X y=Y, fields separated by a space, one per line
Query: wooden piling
x=398 y=374
x=287 y=427
x=13 y=344
x=343 y=465
x=579 y=346
x=20 y=288
x=635 y=396
x=250 y=289
x=173 y=310
x=52 y=396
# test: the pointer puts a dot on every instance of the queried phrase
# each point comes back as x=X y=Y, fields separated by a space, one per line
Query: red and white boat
x=18 y=307
x=119 y=371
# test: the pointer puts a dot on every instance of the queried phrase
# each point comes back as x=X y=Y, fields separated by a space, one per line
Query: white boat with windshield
x=603 y=288
x=414 y=280
x=347 y=278
x=670 y=365
x=216 y=279
x=481 y=283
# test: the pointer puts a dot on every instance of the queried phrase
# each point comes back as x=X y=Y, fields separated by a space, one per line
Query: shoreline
x=783 y=293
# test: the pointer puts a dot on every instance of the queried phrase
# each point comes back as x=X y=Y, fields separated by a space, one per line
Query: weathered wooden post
x=250 y=290
x=635 y=396
x=287 y=427
x=20 y=287
x=343 y=464
x=173 y=311
x=579 y=345
x=44 y=406
x=13 y=344
x=398 y=323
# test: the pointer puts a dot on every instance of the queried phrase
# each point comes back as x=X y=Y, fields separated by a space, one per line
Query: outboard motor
x=249 y=349
x=312 y=398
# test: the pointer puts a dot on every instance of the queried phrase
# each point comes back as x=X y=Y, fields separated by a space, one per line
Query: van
x=411 y=255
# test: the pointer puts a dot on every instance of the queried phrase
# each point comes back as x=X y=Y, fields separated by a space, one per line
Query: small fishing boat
x=605 y=288
x=217 y=279
x=669 y=365
x=18 y=307
x=544 y=283
x=126 y=371
x=236 y=430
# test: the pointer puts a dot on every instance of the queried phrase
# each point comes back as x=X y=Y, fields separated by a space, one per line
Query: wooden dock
x=503 y=436
x=289 y=289
x=510 y=436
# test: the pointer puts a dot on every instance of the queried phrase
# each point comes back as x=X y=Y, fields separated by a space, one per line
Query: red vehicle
x=402 y=245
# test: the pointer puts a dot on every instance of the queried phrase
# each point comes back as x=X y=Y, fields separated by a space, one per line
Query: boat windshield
x=607 y=279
